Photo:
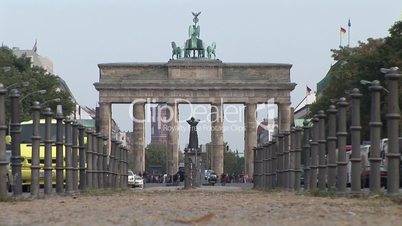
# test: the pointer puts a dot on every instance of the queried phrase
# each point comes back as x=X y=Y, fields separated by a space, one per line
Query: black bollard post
x=393 y=118
x=35 y=167
x=274 y=155
x=298 y=150
x=322 y=167
x=314 y=154
x=3 y=157
x=59 y=150
x=307 y=155
x=355 y=135
x=292 y=161
x=89 y=171
x=117 y=165
x=111 y=163
x=48 y=151
x=74 y=155
x=15 y=132
x=286 y=155
x=95 y=169
x=82 y=159
x=341 y=134
x=375 y=137
x=280 y=160
x=68 y=152
x=104 y=165
x=100 y=160
x=331 y=144
x=266 y=165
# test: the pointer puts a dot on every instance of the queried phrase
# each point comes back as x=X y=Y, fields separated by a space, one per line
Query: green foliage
x=14 y=71
x=362 y=63
x=156 y=154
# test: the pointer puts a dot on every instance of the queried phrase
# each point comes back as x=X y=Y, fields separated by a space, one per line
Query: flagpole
x=349 y=25
x=340 y=39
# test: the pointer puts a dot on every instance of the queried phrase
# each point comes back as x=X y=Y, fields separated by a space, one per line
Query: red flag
x=343 y=30
x=308 y=90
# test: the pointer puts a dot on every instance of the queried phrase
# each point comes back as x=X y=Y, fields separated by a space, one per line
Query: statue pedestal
x=194 y=168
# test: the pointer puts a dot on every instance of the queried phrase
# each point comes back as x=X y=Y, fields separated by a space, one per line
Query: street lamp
x=42 y=91
x=52 y=100
x=24 y=84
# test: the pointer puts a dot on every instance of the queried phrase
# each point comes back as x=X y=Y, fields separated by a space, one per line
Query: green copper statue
x=176 y=51
x=211 y=50
x=194 y=44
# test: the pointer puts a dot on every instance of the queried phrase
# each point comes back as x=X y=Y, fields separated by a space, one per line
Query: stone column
x=139 y=137
x=173 y=138
x=217 y=137
x=284 y=116
x=105 y=120
x=250 y=116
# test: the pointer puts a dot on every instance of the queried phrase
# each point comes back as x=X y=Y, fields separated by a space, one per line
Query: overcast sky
x=77 y=35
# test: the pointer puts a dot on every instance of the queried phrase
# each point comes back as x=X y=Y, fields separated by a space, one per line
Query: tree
x=362 y=63
x=15 y=70
x=156 y=155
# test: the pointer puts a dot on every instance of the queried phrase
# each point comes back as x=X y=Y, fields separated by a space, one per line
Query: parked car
x=138 y=181
x=131 y=179
x=211 y=177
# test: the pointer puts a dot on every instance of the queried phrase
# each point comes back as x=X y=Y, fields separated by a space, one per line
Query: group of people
x=241 y=178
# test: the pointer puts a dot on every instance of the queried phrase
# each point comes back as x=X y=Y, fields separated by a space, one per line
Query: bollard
x=307 y=155
x=95 y=169
x=274 y=155
x=331 y=145
x=3 y=157
x=125 y=168
x=35 y=167
x=270 y=166
x=355 y=128
x=266 y=165
x=111 y=163
x=48 y=167
x=59 y=151
x=393 y=118
x=280 y=160
x=314 y=154
x=341 y=134
x=15 y=132
x=81 y=145
x=297 y=151
x=74 y=155
x=104 y=165
x=292 y=164
x=101 y=170
x=121 y=167
x=322 y=167
x=116 y=166
x=89 y=160
x=375 y=136
x=255 y=177
x=68 y=153
x=286 y=159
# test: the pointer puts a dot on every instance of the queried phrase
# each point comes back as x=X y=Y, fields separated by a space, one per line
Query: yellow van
x=26 y=154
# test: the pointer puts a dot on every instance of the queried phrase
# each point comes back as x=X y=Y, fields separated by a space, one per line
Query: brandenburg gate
x=197 y=79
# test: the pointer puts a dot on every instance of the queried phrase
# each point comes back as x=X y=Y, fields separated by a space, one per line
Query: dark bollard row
x=80 y=160
x=277 y=164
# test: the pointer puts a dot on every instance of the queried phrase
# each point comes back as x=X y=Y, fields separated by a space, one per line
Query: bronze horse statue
x=176 y=51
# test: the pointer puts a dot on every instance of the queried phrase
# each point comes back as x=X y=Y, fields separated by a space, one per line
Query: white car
x=131 y=178
x=138 y=181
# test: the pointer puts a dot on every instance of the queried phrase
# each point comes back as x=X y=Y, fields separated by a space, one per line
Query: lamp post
x=24 y=84
x=42 y=91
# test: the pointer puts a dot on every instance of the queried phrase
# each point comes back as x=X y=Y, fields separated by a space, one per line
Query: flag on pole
x=308 y=90
x=343 y=31
x=349 y=24
x=35 y=47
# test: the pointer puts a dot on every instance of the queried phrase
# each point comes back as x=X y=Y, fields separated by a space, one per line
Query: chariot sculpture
x=194 y=46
